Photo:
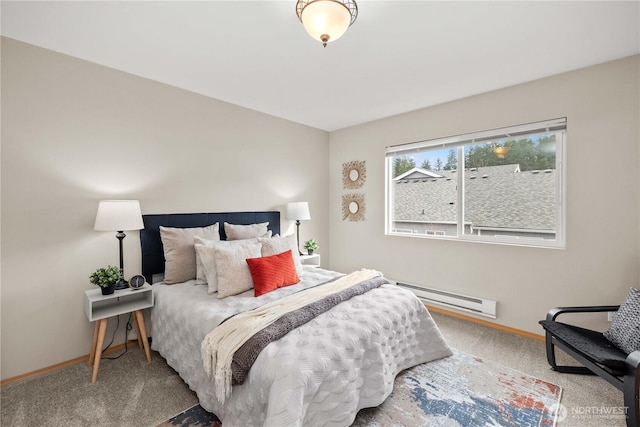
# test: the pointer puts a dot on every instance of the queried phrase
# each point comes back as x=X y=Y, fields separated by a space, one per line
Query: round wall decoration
x=354 y=174
x=353 y=207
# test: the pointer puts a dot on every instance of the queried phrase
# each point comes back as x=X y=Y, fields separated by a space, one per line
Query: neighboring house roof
x=495 y=197
x=417 y=173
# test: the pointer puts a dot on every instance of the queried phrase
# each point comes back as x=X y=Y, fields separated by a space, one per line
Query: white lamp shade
x=298 y=211
x=326 y=17
x=118 y=215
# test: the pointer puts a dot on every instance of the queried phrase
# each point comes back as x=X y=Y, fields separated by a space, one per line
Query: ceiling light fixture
x=326 y=20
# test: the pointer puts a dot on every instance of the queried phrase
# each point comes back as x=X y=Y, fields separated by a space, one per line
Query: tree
x=452 y=160
x=402 y=164
x=534 y=153
x=526 y=152
x=547 y=152
x=523 y=153
x=481 y=155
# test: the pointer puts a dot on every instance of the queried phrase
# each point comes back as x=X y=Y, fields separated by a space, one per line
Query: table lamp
x=298 y=211
x=119 y=215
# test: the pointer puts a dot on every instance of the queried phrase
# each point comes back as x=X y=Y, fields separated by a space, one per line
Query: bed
x=322 y=372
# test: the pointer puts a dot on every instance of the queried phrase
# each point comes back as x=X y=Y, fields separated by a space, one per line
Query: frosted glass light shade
x=326 y=20
x=118 y=215
x=298 y=211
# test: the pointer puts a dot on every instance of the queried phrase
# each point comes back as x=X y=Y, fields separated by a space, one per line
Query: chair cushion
x=593 y=345
x=625 y=326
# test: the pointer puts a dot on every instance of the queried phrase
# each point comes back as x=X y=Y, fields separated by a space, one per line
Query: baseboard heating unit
x=480 y=306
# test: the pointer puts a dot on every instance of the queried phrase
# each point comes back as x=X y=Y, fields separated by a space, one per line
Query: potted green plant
x=311 y=245
x=106 y=278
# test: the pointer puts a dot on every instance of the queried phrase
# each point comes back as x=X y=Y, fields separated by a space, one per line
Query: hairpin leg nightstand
x=99 y=308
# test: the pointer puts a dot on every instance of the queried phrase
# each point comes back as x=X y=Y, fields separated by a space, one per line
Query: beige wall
x=74 y=133
x=601 y=104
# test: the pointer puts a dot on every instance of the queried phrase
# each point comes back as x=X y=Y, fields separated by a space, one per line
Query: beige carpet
x=130 y=392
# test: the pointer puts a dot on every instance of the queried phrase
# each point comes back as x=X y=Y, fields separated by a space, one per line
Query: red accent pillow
x=272 y=272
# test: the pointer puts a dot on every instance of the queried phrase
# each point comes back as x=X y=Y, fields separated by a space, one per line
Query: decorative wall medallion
x=354 y=174
x=353 y=207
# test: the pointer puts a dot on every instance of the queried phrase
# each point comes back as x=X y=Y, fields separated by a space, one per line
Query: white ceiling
x=398 y=56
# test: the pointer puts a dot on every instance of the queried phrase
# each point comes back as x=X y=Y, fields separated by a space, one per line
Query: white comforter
x=320 y=374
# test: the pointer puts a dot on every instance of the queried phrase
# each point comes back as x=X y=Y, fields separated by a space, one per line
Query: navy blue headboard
x=152 y=251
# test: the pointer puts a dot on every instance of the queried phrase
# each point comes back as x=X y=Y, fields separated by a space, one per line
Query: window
x=500 y=186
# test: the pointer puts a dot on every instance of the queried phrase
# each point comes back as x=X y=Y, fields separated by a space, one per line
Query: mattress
x=320 y=374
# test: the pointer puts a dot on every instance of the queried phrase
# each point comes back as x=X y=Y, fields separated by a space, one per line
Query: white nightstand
x=100 y=308
x=310 y=260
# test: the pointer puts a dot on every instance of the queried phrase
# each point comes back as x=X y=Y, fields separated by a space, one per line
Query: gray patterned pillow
x=234 y=276
x=278 y=244
x=206 y=255
x=624 y=331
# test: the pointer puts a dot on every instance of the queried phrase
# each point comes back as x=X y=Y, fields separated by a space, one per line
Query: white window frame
x=559 y=126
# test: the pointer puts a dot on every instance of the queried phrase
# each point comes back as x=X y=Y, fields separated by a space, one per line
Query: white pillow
x=239 y=232
x=201 y=275
x=206 y=255
x=179 y=251
x=234 y=276
x=278 y=244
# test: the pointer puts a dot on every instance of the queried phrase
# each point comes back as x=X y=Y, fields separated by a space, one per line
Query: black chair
x=597 y=355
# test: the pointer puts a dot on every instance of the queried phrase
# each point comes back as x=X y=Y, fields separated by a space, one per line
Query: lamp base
x=298 y=236
x=122 y=284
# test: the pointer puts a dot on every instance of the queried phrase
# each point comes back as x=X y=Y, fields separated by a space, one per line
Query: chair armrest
x=555 y=312
x=633 y=360
x=630 y=387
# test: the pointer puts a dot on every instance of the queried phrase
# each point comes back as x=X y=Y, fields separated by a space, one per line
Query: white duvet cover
x=320 y=374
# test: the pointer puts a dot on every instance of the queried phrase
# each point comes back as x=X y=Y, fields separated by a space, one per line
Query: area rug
x=460 y=390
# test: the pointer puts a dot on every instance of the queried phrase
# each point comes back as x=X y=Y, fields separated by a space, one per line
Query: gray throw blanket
x=247 y=354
